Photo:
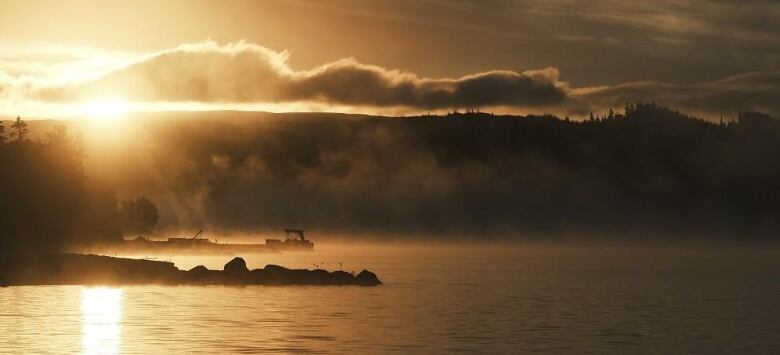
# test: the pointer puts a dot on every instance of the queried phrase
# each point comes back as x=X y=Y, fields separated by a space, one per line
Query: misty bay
x=562 y=298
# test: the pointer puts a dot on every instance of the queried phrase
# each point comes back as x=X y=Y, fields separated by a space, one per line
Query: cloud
x=745 y=20
x=248 y=73
x=244 y=73
x=751 y=91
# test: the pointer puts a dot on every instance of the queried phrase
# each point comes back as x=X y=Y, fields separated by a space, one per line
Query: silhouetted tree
x=20 y=129
x=138 y=216
x=629 y=109
x=47 y=203
x=42 y=186
x=2 y=132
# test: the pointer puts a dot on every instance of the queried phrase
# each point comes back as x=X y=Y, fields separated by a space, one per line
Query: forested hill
x=648 y=172
x=651 y=171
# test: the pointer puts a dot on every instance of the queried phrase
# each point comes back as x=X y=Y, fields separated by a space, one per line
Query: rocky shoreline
x=78 y=269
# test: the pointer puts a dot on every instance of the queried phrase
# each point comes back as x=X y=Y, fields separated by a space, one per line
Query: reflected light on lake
x=101 y=310
x=435 y=300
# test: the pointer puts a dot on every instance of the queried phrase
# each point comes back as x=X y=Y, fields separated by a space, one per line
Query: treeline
x=647 y=171
x=47 y=202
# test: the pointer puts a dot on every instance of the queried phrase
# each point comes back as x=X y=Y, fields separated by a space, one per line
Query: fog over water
x=475 y=176
x=651 y=172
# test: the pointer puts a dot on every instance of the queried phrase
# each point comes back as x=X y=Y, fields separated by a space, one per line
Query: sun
x=110 y=109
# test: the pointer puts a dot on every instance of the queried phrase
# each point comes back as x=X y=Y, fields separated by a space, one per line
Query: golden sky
x=65 y=58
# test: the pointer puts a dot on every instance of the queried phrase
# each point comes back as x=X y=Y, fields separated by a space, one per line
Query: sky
x=567 y=57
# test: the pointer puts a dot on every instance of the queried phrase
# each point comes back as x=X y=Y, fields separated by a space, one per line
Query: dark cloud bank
x=654 y=173
x=248 y=73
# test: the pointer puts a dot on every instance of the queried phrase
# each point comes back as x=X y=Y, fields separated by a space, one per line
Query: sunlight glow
x=101 y=310
x=111 y=109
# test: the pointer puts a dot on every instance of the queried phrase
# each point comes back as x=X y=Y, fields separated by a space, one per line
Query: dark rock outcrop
x=367 y=278
x=343 y=277
x=76 y=269
x=272 y=267
x=198 y=269
x=237 y=266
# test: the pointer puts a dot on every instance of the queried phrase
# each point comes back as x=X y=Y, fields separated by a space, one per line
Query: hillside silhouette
x=648 y=171
x=644 y=173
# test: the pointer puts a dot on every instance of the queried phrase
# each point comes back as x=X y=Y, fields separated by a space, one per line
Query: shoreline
x=90 y=269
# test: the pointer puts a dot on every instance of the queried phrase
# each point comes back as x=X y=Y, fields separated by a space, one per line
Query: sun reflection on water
x=101 y=310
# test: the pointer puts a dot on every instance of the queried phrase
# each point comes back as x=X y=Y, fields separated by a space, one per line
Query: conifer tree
x=20 y=129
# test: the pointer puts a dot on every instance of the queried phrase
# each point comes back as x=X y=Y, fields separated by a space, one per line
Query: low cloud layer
x=752 y=91
x=248 y=73
x=245 y=73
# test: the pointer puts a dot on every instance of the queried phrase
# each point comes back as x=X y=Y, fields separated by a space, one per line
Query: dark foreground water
x=500 y=299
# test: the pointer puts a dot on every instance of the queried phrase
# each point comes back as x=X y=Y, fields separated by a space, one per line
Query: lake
x=504 y=298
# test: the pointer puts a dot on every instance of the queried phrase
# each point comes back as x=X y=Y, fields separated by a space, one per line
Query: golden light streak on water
x=101 y=310
x=436 y=299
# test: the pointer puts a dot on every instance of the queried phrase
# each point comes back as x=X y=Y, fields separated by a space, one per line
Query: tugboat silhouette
x=299 y=243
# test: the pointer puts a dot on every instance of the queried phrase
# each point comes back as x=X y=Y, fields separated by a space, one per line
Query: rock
x=367 y=278
x=76 y=269
x=236 y=266
x=342 y=278
x=258 y=277
x=318 y=277
x=201 y=274
x=272 y=267
x=198 y=269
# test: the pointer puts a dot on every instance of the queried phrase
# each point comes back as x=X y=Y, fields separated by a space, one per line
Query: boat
x=194 y=241
x=299 y=243
x=295 y=241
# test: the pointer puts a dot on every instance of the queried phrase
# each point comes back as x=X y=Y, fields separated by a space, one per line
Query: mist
x=652 y=173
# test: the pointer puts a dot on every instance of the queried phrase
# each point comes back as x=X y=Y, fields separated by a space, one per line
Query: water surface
x=503 y=299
